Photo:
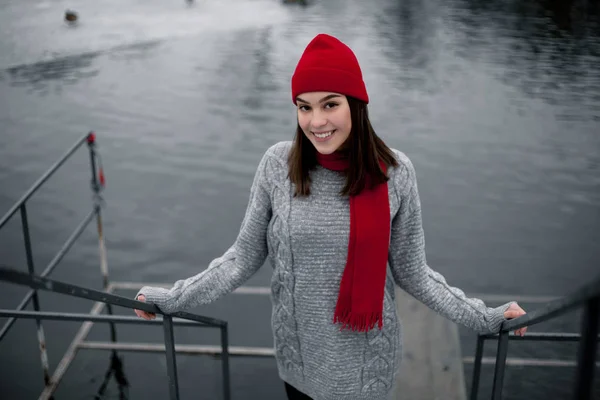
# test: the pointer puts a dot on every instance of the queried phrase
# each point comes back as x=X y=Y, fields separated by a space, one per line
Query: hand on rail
x=144 y=314
x=514 y=311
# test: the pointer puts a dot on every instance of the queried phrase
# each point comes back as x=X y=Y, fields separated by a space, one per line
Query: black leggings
x=295 y=394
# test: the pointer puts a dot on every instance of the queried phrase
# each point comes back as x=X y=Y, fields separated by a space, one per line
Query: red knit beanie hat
x=328 y=65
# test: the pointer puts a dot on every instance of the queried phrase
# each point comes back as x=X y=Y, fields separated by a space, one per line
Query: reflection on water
x=67 y=70
x=71 y=69
x=549 y=52
x=262 y=76
x=574 y=16
x=135 y=51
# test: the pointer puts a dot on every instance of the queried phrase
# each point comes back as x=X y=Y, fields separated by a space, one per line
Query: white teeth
x=323 y=135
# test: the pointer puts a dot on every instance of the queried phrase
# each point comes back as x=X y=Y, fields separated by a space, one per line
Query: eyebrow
x=328 y=97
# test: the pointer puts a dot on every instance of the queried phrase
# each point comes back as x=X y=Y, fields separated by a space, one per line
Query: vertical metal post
x=588 y=347
x=101 y=246
x=225 y=362
x=35 y=298
x=171 y=361
x=96 y=189
x=477 y=367
x=104 y=268
x=500 y=366
x=91 y=141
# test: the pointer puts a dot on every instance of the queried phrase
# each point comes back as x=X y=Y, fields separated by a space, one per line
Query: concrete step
x=432 y=363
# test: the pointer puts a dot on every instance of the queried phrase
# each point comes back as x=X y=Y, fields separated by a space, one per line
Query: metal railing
x=587 y=297
x=102 y=298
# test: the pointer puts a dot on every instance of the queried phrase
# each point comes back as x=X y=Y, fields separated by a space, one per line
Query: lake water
x=496 y=103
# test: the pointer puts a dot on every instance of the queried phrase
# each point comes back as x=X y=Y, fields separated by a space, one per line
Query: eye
x=331 y=105
x=303 y=108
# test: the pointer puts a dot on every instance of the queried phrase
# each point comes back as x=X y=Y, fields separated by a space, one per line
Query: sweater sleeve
x=226 y=273
x=410 y=270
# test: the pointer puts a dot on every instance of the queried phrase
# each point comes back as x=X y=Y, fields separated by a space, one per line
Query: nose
x=319 y=120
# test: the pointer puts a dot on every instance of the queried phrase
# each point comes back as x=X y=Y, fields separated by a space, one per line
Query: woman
x=337 y=213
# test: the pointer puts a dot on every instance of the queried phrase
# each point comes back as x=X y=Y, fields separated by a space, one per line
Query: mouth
x=323 y=136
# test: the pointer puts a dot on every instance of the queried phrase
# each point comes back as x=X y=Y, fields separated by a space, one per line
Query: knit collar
x=335 y=161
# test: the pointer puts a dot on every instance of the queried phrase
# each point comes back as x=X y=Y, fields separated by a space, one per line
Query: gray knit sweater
x=305 y=240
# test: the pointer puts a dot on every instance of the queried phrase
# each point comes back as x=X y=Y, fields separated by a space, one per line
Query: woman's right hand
x=144 y=314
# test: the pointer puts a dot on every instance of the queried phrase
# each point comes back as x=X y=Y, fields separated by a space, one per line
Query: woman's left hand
x=514 y=311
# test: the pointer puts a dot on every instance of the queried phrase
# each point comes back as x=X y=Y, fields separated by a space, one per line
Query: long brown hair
x=364 y=149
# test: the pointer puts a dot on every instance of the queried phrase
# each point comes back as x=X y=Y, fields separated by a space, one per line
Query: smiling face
x=324 y=117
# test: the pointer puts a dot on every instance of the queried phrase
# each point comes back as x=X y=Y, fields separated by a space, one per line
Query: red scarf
x=360 y=300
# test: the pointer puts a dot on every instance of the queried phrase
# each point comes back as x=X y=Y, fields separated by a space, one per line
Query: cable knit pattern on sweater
x=287 y=345
x=305 y=240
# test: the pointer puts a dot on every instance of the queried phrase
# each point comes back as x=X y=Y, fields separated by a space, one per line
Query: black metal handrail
x=54 y=286
x=103 y=298
x=49 y=268
x=587 y=296
x=21 y=206
x=43 y=179
x=40 y=283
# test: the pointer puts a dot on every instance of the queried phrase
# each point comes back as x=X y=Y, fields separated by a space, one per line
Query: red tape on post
x=101 y=176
